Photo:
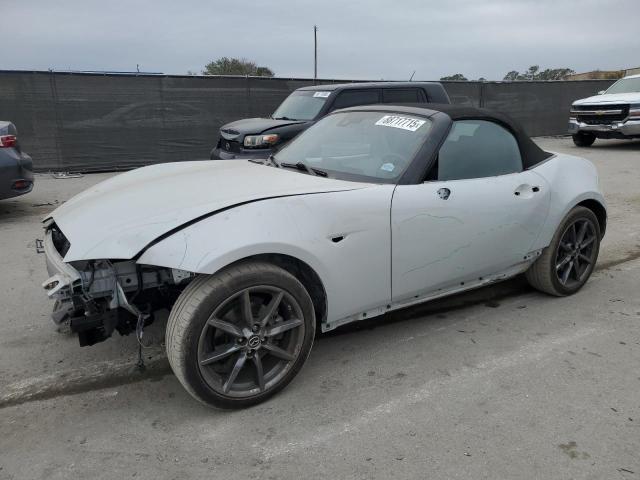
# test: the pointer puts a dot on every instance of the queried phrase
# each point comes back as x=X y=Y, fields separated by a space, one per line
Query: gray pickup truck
x=260 y=137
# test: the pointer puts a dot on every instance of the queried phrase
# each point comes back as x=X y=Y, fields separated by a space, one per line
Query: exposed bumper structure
x=64 y=278
x=93 y=321
x=93 y=301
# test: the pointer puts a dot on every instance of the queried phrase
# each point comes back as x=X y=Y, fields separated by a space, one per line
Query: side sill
x=444 y=292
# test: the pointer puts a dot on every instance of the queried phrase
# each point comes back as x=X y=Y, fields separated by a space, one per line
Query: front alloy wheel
x=250 y=341
x=237 y=337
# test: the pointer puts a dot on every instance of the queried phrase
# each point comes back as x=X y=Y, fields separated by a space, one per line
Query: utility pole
x=315 y=53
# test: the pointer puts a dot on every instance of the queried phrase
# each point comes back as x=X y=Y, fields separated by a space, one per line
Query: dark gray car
x=260 y=137
x=16 y=167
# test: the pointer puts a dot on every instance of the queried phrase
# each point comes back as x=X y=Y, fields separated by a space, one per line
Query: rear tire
x=228 y=358
x=584 y=139
x=567 y=263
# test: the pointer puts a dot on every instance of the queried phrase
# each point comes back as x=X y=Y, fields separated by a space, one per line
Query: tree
x=555 y=73
x=264 y=72
x=236 y=66
x=512 y=76
x=534 y=73
x=457 y=76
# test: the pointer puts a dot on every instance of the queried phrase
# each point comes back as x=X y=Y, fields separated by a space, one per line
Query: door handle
x=526 y=189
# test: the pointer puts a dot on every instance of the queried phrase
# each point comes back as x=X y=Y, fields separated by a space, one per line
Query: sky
x=357 y=39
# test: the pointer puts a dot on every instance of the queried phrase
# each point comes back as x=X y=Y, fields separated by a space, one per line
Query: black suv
x=259 y=137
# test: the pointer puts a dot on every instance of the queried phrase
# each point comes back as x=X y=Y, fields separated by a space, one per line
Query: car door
x=478 y=213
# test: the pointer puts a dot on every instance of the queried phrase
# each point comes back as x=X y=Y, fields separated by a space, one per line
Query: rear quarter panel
x=572 y=180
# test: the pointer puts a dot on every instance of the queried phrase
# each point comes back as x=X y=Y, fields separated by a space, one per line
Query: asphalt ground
x=502 y=382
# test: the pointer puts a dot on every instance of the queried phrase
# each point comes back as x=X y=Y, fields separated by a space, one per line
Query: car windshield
x=301 y=105
x=359 y=145
x=625 y=85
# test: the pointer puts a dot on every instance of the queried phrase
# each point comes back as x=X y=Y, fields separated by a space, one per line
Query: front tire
x=567 y=263
x=583 y=139
x=238 y=337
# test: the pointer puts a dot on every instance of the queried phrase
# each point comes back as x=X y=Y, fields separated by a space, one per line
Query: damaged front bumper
x=64 y=278
x=62 y=283
x=93 y=317
x=91 y=296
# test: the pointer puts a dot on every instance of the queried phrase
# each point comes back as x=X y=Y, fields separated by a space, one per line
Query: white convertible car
x=372 y=209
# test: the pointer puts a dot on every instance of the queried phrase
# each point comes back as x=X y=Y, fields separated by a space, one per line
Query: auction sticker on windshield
x=322 y=94
x=405 y=123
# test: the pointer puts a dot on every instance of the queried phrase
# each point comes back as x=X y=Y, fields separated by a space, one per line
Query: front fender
x=175 y=252
x=343 y=236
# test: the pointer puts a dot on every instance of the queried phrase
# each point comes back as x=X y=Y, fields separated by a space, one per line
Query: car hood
x=610 y=98
x=119 y=217
x=254 y=126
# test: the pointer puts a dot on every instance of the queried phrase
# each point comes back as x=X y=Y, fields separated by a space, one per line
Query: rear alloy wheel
x=236 y=338
x=566 y=265
x=584 y=139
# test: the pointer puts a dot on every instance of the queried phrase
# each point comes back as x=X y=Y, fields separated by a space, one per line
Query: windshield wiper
x=305 y=168
x=262 y=161
x=271 y=159
x=285 y=118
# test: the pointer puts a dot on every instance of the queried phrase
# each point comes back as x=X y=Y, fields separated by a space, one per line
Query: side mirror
x=601 y=92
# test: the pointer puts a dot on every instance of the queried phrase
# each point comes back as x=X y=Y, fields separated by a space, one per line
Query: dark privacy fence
x=85 y=122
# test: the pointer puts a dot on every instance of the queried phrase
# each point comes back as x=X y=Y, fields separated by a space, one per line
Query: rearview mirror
x=601 y=92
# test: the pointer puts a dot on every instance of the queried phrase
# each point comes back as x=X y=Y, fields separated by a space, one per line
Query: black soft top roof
x=531 y=153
